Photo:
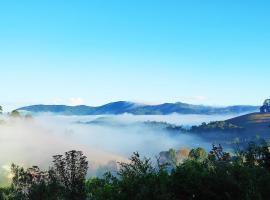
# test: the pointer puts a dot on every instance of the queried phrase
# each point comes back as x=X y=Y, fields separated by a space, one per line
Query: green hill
x=258 y=123
x=241 y=130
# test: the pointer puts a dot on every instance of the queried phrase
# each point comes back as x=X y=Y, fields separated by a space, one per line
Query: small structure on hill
x=266 y=106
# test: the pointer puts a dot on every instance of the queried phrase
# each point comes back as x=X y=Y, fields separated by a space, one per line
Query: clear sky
x=94 y=52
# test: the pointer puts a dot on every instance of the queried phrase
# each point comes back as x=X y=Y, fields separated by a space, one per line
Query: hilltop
x=246 y=127
x=121 y=107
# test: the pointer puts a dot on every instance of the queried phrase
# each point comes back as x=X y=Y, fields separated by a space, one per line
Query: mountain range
x=122 y=107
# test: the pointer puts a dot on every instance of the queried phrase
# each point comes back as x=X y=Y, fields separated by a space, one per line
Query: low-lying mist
x=101 y=138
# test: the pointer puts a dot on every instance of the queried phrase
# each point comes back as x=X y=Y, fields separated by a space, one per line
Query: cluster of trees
x=64 y=180
x=15 y=114
x=213 y=175
x=165 y=126
x=216 y=126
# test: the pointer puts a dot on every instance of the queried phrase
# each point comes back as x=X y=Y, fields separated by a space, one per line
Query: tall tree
x=70 y=171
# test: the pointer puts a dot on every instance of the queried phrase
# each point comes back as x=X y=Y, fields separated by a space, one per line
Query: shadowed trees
x=65 y=180
x=70 y=171
x=265 y=108
x=216 y=175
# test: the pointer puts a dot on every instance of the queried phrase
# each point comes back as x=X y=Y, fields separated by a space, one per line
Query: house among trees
x=266 y=106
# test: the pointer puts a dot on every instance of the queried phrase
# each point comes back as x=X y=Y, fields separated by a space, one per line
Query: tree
x=31 y=183
x=217 y=177
x=70 y=171
x=65 y=180
x=15 y=113
x=1 y=110
x=198 y=154
x=217 y=154
x=265 y=107
x=257 y=154
x=172 y=158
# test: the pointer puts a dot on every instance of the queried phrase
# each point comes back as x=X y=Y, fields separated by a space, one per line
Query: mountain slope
x=253 y=124
x=121 y=107
x=258 y=123
x=59 y=109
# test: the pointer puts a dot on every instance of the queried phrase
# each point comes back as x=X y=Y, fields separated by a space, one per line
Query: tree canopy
x=216 y=175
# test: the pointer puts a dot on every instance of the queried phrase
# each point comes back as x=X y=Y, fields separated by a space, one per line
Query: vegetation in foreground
x=213 y=175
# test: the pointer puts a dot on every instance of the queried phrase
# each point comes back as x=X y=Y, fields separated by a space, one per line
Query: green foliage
x=256 y=155
x=198 y=154
x=1 y=110
x=70 y=171
x=32 y=183
x=217 y=126
x=165 y=126
x=172 y=157
x=15 y=113
x=105 y=188
x=218 y=176
x=64 y=181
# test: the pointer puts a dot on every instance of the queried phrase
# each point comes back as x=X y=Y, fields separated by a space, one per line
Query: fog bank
x=35 y=141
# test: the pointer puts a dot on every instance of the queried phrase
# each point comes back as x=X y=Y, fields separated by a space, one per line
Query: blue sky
x=93 y=52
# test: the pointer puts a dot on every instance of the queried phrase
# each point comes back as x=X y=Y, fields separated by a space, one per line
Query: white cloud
x=74 y=101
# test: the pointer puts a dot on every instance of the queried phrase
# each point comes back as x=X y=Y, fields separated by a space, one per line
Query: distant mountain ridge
x=122 y=107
